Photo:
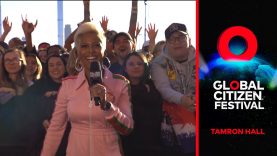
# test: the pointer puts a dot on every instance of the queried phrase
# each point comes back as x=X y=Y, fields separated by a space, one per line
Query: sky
x=160 y=13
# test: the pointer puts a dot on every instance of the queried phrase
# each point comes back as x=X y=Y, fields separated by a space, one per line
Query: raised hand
x=6 y=25
x=137 y=31
x=133 y=20
x=152 y=32
x=27 y=26
x=104 y=23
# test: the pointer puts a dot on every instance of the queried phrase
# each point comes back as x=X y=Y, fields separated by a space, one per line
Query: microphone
x=107 y=62
x=95 y=77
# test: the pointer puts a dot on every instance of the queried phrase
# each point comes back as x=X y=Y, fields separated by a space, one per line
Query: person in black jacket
x=45 y=91
x=24 y=119
x=147 y=109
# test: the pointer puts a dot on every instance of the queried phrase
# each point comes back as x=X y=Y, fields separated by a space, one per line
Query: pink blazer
x=94 y=131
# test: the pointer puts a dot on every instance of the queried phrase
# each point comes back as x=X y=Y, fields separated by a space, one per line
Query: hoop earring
x=78 y=66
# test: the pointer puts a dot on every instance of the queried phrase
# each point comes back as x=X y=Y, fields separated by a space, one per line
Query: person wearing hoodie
x=173 y=73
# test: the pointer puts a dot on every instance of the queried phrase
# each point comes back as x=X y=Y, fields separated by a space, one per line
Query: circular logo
x=234 y=85
x=246 y=34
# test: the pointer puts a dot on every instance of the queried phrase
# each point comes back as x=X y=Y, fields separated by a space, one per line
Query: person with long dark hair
x=147 y=109
x=12 y=74
x=43 y=94
x=25 y=117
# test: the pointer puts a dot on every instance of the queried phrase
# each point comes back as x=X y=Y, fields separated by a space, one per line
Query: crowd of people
x=146 y=98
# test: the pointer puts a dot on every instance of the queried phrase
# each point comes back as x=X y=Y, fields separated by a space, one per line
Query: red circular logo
x=228 y=34
x=234 y=85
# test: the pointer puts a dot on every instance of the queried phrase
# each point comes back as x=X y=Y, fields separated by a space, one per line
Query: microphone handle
x=97 y=101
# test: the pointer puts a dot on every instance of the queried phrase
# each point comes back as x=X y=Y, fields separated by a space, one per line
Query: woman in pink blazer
x=95 y=129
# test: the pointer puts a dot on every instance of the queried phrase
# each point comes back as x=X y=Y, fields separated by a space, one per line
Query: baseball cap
x=122 y=34
x=175 y=27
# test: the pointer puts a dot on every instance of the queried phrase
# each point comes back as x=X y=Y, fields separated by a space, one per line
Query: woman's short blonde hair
x=89 y=27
